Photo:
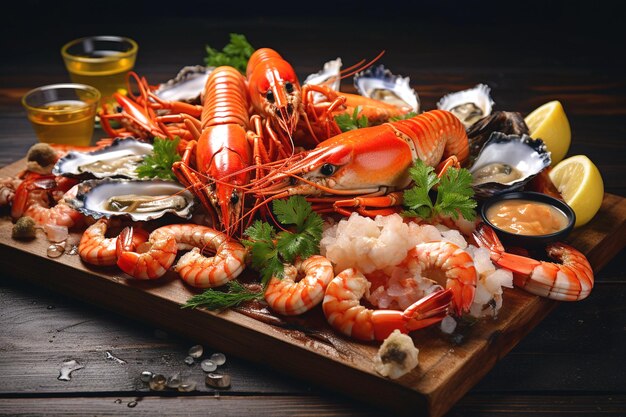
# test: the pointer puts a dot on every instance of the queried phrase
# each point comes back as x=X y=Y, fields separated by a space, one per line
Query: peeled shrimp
x=450 y=266
x=288 y=297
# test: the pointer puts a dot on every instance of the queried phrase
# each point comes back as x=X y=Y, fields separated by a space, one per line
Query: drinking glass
x=63 y=113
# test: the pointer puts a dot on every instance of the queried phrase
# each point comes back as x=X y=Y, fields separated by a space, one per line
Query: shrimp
x=35 y=195
x=570 y=280
x=200 y=271
x=151 y=259
x=96 y=249
x=449 y=265
x=8 y=185
x=345 y=313
x=288 y=297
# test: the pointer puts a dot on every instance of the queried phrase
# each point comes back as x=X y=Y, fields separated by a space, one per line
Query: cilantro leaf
x=454 y=193
x=351 y=122
x=235 y=54
x=269 y=250
x=159 y=163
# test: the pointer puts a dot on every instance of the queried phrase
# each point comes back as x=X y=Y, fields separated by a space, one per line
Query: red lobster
x=216 y=165
x=362 y=170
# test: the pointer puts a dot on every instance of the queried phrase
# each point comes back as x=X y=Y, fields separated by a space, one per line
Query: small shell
x=468 y=105
x=120 y=159
x=137 y=200
x=521 y=158
x=380 y=84
x=187 y=86
x=328 y=76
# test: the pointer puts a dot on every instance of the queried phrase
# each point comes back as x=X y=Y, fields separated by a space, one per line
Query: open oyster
x=119 y=159
x=468 y=105
x=187 y=86
x=137 y=200
x=328 y=76
x=380 y=84
x=507 y=163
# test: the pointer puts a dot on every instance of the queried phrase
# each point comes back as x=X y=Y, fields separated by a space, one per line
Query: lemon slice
x=550 y=123
x=580 y=183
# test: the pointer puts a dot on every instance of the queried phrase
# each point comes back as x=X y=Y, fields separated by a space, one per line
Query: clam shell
x=82 y=163
x=468 y=105
x=525 y=154
x=187 y=86
x=92 y=197
x=329 y=75
x=380 y=84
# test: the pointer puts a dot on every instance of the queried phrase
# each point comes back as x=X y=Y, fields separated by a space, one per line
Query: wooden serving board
x=448 y=367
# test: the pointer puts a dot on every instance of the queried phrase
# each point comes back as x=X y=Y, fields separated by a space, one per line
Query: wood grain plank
x=444 y=375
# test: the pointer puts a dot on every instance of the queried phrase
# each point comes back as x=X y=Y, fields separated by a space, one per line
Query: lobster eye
x=234 y=198
x=289 y=87
x=269 y=96
x=327 y=169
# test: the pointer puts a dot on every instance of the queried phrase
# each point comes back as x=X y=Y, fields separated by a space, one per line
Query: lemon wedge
x=550 y=124
x=580 y=183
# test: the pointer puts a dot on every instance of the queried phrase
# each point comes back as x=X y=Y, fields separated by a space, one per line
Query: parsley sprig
x=454 y=193
x=235 y=54
x=159 y=163
x=347 y=122
x=270 y=250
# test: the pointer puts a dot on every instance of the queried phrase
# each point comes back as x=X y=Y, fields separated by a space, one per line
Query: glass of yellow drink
x=100 y=61
x=63 y=113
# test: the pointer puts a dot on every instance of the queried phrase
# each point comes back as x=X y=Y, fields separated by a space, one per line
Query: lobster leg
x=385 y=204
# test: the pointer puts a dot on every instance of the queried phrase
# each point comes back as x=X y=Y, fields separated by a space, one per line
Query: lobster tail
x=431 y=131
x=225 y=98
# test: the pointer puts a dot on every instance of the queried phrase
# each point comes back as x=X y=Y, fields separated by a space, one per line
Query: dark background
x=524 y=34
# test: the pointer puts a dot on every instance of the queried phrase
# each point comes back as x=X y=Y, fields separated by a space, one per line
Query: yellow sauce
x=525 y=217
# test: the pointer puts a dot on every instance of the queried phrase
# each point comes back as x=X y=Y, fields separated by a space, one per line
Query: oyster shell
x=507 y=163
x=187 y=86
x=134 y=199
x=329 y=75
x=380 y=84
x=509 y=123
x=468 y=105
x=119 y=159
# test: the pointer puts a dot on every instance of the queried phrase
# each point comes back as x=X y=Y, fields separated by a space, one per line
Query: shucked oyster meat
x=137 y=200
x=380 y=84
x=468 y=105
x=507 y=163
x=120 y=159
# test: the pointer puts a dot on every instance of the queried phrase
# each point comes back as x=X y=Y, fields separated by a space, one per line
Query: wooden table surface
x=571 y=364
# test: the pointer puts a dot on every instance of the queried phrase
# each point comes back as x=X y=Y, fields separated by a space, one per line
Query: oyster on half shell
x=507 y=163
x=380 y=84
x=329 y=75
x=134 y=199
x=187 y=86
x=468 y=105
x=119 y=159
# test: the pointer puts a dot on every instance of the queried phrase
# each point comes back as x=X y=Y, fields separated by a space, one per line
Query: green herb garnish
x=351 y=122
x=235 y=54
x=403 y=117
x=159 y=164
x=454 y=193
x=219 y=300
x=270 y=249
